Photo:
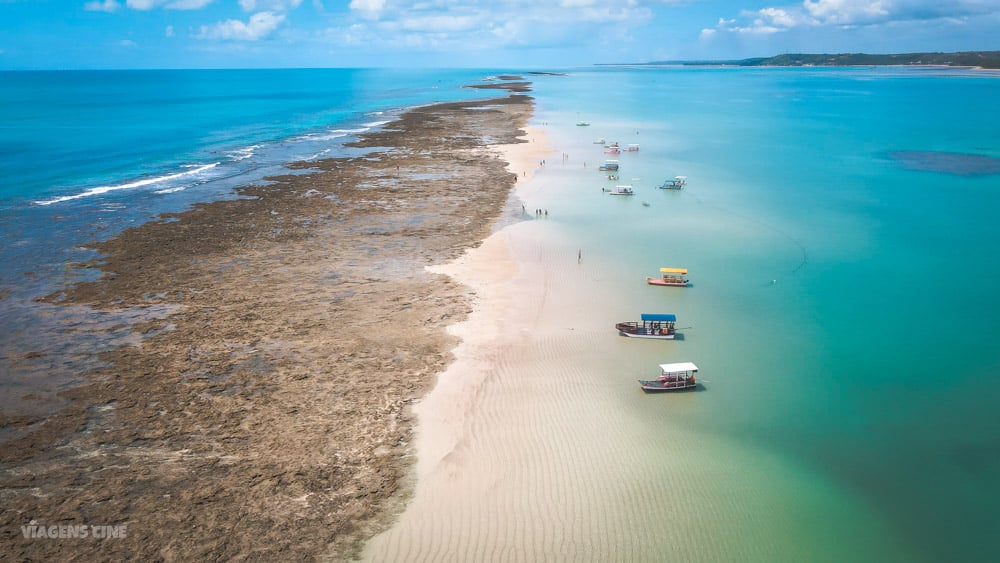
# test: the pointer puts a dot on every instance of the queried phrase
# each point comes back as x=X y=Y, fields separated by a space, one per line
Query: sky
x=515 y=34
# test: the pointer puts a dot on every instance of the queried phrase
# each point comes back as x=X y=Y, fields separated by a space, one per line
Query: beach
x=409 y=354
x=267 y=415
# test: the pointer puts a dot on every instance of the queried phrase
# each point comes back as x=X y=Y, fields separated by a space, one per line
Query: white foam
x=244 y=153
x=332 y=134
x=136 y=184
x=171 y=190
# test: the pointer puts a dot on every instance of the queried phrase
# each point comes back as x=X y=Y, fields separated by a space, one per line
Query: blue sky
x=66 y=34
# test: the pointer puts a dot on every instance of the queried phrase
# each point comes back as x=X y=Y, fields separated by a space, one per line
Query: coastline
x=269 y=416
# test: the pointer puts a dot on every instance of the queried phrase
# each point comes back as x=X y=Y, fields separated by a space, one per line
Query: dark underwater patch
x=960 y=164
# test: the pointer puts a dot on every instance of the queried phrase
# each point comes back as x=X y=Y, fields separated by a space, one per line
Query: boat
x=632 y=148
x=582 y=123
x=677 y=183
x=650 y=325
x=613 y=148
x=673 y=377
x=676 y=277
x=599 y=141
x=609 y=165
x=622 y=190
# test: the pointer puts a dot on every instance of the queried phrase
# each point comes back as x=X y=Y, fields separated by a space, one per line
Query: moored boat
x=673 y=377
x=632 y=148
x=609 y=165
x=650 y=325
x=676 y=277
x=622 y=190
x=677 y=183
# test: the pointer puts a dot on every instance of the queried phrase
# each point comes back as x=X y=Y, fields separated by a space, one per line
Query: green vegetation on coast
x=981 y=59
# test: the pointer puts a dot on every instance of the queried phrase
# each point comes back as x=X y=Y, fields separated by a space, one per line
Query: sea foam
x=129 y=185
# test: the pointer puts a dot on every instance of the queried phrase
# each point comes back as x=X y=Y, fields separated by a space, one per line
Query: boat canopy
x=679 y=367
x=673 y=270
x=659 y=317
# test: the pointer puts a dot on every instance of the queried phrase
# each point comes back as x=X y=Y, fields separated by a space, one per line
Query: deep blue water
x=86 y=154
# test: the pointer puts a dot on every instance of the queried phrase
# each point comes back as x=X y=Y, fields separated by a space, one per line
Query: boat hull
x=632 y=331
x=658 y=386
x=660 y=281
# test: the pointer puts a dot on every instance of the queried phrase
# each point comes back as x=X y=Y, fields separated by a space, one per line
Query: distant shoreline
x=988 y=60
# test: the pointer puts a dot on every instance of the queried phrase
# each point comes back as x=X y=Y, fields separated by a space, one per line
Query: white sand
x=490 y=271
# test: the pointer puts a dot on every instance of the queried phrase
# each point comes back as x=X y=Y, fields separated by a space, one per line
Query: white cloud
x=269 y=5
x=127 y=43
x=371 y=6
x=188 y=4
x=843 y=13
x=847 y=11
x=145 y=5
x=259 y=26
x=169 y=32
x=105 y=6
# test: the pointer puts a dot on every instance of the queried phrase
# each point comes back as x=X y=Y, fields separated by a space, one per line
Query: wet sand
x=268 y=416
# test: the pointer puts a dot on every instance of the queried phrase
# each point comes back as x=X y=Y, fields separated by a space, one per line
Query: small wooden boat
x=632 y=148
x=673 y=377
x=609 y=165
x=650 y=325
x=622 y=190
x=676 y=277
x=677 y=183
x=599 y=141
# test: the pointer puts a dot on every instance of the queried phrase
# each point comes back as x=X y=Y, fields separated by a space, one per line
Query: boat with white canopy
x=673 y=377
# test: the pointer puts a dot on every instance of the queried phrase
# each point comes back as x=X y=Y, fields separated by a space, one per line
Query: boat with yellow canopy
x=676 y=277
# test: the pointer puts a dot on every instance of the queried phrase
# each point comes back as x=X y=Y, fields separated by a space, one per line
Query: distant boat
x=599 y=141
x=677 y=183
x=622 y=190
x=645 y=204
x=613 y=148
x=609 y=165
x=673 y=377
x=676 y=277
x=632 y=148
x=650 y=325
x=582 y=123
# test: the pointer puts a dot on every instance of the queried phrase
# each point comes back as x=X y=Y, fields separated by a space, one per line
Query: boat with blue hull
x=650 y=325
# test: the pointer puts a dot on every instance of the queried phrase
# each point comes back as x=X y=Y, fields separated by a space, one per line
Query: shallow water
x=840 y=312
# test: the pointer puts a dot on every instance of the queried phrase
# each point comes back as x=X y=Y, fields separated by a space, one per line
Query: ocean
x=87 y=154
x=838 y=228
x=837 y=225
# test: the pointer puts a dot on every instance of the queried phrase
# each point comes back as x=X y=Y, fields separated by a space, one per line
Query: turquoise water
x=840 y=230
